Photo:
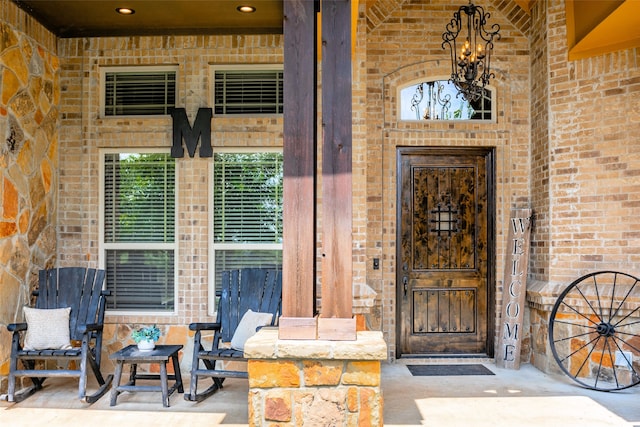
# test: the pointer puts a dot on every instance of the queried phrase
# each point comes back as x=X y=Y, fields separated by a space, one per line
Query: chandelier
x=471 y=55
x=438 y=102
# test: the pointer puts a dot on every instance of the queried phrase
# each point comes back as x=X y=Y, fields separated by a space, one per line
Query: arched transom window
x=440 y=100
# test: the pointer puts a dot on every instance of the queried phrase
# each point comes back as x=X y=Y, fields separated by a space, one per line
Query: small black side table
x=161 y=355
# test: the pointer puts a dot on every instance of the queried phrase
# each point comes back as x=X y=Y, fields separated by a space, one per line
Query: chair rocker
x=255 y=289
x=81 y=290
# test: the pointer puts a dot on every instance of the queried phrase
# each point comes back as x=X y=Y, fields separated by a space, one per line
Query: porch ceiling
x=96 y=18
x=594 y=26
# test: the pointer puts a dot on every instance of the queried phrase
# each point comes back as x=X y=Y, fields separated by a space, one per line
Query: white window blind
x=247 y=211
x=248 y=91
x=139 y=230
x=139 y=92
x=140 y=280
x=229 y=259
x=247 y=198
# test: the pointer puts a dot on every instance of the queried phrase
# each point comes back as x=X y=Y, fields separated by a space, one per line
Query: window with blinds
x=247 y=211
x=247 y=197
x=140 y=92
x=139 y=231
x=248 y=91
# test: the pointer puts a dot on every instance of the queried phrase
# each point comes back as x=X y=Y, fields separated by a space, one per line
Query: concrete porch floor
x=526 y=397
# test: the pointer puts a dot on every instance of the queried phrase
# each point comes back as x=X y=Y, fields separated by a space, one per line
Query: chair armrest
x=204 y=326
x=90 y=327
x=14 y=327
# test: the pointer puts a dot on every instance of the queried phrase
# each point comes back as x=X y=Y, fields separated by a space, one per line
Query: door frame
x=489 y=153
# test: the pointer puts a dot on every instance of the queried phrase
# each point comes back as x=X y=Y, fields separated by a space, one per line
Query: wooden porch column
x=298 y=280
x=298 y=319
x=336 y=318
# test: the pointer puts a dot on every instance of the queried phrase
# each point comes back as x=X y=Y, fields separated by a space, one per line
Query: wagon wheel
x=594 y=331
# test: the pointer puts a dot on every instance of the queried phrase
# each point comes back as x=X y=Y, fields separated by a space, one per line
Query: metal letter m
x=201 y=130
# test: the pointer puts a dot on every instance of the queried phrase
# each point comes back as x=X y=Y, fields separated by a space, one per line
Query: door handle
x=405 y=284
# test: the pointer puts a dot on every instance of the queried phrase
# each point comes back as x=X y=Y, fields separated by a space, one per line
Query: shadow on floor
x=524 y=397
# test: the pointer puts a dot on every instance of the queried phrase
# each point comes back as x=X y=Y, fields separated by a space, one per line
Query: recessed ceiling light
x=246 y=9
x=125 y=11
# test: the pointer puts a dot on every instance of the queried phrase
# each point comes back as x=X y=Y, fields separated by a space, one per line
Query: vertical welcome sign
x=514 y=290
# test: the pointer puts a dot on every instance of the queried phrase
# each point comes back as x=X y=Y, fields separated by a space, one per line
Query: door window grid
x=445 y=220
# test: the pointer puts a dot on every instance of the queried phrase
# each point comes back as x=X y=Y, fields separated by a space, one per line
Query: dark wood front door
x=445 y=246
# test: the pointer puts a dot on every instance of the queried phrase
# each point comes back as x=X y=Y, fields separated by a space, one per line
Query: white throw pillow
x=48 y=329
x=251 y=321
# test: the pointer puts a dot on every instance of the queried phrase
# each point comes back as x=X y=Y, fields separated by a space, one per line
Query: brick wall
x=565 y=140
x=84 y=132
x=585 y=164
x=539 y=144
x=386 y=55
x=594 y=158
x=403 y=47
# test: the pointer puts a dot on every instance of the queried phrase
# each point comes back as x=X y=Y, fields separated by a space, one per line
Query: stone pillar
x=315 y=382
x=29 y=122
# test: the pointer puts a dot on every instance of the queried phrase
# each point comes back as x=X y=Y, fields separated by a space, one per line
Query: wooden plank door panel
x=444 y=281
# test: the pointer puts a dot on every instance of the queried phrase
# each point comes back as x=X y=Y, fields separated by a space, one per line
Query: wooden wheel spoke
x=593 y=310
x=586 y=359
x=631 y=346
x=595 y=285
x=579 y=314
x=629 y=362
x=627 y=334
x=579 y=325
x=613 y=294
x=608 y=349
x=580 y=348
x=618 y=325
x=631 y=288
x=572 y=337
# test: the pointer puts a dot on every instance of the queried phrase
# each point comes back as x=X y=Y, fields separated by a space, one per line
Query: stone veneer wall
x=315 y=383
x=29 y=117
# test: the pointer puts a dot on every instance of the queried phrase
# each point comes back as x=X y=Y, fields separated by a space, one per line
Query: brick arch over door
x=379 y=10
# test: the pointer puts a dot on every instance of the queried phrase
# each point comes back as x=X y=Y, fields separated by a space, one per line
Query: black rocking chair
x=255 y=289
x=80 y=289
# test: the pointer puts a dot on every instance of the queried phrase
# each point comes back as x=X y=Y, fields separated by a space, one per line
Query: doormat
x=447 y=370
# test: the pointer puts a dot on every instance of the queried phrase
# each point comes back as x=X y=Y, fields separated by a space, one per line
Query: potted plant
x=146 y=337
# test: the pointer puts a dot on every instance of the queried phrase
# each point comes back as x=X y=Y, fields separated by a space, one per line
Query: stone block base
x=336 y=385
